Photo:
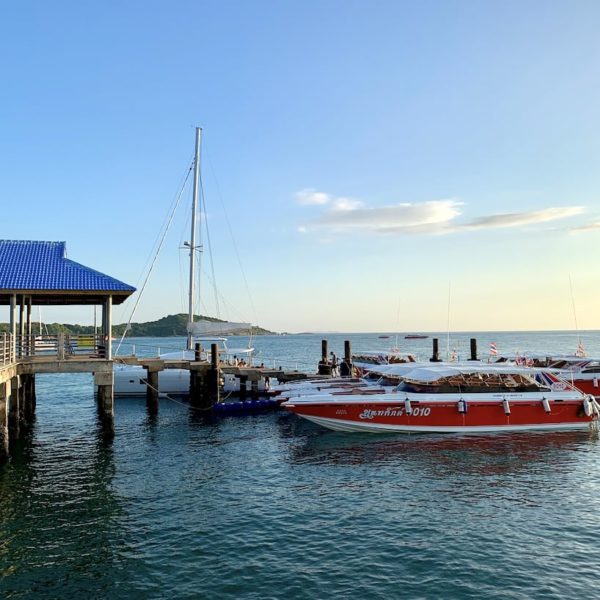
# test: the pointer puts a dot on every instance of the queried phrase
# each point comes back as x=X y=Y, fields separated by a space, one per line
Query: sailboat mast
x=190 y=340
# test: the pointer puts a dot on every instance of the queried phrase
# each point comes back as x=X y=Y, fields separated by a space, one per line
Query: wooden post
x=197 y=387
x=473 y=349
x=13 y=408
x=212 y=396
x=3 y=424
x=28 y=385
x=254 y=388
x=324 y=368
x=435 y=356
x=346 y=364
x=243 y=386
x=105 y=402
x=152 y=390
x=197 y=352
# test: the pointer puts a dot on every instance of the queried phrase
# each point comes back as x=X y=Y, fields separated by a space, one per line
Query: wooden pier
x=23 y=358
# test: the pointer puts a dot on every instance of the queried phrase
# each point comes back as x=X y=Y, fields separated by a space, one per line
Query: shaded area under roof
x=43 y=271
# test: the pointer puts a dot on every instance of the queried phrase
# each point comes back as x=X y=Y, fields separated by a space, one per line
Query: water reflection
x=59 y=518
x=438 y=455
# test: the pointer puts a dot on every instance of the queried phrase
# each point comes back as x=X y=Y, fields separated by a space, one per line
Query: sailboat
x=130 y=380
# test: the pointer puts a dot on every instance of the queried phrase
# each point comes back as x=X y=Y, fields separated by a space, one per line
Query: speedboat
x=581 y=371
x=365 y=361
x=464 y=398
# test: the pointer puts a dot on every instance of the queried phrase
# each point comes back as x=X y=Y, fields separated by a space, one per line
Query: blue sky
x=360 y=159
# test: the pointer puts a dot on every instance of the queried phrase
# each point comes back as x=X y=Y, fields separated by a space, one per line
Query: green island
x=172 y=325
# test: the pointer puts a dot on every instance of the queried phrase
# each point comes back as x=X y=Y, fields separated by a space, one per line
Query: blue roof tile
x=29 y=265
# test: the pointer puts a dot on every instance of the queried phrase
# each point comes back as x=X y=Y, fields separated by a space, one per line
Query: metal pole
x=190 y=342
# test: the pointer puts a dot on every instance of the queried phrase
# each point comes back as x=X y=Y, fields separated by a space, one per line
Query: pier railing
x=61 y=346
x=7 y=352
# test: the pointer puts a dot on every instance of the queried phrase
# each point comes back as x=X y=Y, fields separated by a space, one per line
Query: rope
x=163 y=395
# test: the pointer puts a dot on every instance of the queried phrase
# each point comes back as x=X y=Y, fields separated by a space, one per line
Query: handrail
x=7 y=353
x=60 y=345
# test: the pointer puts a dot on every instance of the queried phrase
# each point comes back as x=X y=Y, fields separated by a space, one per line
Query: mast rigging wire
x=151 y=268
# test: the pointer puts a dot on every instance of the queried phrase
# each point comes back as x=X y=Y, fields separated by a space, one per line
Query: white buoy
x=506 y=406
x=462 y=406
x=407 y=407
x=546 y=405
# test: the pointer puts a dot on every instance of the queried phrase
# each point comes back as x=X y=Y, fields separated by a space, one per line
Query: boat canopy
x=204 y=327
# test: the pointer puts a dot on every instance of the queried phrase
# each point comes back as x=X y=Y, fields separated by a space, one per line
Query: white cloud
x=524 y=218
x=341 y=214
x=426 y=217
x=347 y=204
x=595 y=225
x=312 y=197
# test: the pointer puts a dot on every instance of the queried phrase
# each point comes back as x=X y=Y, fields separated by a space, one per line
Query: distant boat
x=415 y=336
x=384 y=337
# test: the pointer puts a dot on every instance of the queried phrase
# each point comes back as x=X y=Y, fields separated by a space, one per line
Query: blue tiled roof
x=28 y=265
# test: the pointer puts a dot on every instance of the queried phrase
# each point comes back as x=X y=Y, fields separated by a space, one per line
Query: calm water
x=271 y=506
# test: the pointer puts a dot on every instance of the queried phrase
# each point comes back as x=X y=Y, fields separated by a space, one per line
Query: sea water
x=272 y=506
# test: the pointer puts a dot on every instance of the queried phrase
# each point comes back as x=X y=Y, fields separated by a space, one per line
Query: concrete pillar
x=3 y=424
x=109 y=328
x=13 y=325
x=21 y=324
x=105 y=401
x=14 y=421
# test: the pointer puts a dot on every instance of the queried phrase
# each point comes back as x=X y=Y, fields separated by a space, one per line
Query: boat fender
x=462 y=406
x=506 y=406
x=591 y=407
x=595 y=382
x=546 y=405
x=407 y=407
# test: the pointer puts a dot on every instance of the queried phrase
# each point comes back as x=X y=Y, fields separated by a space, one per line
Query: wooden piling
x=105 y=402
x=254 y=388
x=473 y=349
x=212 y=395
x=346 y=364
x=3 y=424
x=435 y=356
x=324 y=367
x=243 y=386
x=14 y=423
x=29 y=401
x=152 y=389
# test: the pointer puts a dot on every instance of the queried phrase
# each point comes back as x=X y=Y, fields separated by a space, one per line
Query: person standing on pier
x=334 y=365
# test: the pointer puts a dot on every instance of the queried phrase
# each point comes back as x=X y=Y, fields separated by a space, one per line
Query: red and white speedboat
x=464 y=398
x=582 y=372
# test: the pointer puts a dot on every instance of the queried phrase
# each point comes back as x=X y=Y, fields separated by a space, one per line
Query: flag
x=493 y=349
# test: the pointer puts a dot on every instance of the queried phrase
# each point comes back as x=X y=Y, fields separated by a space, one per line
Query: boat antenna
x=579 y=344
x=448 y=326
x=192 y=244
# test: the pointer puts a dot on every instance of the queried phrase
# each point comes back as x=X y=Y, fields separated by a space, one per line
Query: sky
x=366 y=166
